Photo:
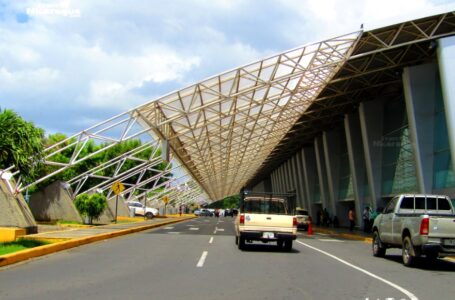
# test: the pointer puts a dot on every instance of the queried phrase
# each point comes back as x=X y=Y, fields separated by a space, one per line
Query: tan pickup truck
x=266 y=219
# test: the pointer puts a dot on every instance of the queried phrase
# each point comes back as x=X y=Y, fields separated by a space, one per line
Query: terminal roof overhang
x=372 y=71
x=233 y=129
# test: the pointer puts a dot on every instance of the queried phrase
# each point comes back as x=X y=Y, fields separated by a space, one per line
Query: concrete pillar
x=296 y=180
x=419 y=84
x=371 y=124
x=291 y=184
x=321 y=169
x=281 y=178
x=446 y=60
x=301 y=188
x=273 y=178
x=309 y=171
x=268 y=184
x=356 y=161
x=286 y=176
x=331 y=145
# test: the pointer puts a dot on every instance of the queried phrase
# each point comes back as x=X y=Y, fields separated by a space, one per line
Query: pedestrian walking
x=351 y=217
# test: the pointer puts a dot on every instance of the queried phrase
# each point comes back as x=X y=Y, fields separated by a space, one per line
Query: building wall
x=387 y=146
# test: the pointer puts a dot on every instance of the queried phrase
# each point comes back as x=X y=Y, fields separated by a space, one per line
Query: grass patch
x=69 y=222
x=20 y=244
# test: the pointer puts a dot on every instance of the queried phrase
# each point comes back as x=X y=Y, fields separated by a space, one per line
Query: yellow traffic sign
x=118 y=187
x=165 y=199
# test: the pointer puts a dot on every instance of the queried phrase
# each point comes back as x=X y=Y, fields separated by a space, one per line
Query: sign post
x=117 y=188
x=165 y=200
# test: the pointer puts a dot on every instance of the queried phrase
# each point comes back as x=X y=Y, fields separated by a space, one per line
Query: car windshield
x=264 y=206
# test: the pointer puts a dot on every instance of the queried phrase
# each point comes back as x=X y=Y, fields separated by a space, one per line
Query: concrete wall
x=14 y=211
x=54 y=203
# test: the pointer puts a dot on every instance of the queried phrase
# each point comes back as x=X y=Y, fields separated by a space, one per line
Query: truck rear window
x=264 y=206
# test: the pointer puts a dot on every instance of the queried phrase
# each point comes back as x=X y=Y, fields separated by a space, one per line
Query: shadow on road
x=272 y=248
x=426 y=264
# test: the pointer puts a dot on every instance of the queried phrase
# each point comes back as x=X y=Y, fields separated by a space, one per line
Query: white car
x=140 y=210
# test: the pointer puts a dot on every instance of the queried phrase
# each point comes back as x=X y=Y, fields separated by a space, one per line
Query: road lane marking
x=330 y=240
x=169 y=227
x=173 y=232
x=404 y=291
x=318 y=233
x=201 y=261
x=211 y=240
x=219 y=229
x=193 y=228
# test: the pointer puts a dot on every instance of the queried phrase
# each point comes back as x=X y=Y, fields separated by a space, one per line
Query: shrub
x=91 y=206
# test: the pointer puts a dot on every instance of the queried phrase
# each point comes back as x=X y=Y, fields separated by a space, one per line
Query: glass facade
x=398 y=164
x=345 y=188
x=443 y=176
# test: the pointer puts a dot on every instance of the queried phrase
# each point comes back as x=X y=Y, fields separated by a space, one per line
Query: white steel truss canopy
x=232 y=129
x=223 y=128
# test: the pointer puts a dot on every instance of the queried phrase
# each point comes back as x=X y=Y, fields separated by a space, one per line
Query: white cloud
x=117 y=55
x=320 y=19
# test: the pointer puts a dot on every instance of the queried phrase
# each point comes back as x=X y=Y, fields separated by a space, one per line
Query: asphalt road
x=198 y=259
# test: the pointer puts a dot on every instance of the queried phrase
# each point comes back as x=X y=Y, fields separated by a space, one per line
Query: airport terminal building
x=382 y=126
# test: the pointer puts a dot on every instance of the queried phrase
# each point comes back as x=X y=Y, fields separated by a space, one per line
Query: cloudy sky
x=67 y=65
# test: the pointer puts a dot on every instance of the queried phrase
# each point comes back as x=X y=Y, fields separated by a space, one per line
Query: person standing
x=351 y=217
x=366 y=219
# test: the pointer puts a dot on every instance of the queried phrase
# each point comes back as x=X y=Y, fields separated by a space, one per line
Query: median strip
x=12 y=258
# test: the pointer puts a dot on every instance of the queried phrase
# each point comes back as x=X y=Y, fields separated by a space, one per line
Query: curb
x=13 y=258
x=350 y=236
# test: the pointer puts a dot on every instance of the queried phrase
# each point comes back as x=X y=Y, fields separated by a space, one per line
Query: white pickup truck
x=265 y=219
x=418 y=224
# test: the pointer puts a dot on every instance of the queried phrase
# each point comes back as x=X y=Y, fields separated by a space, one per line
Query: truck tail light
x=294 y=222
x=242 y=219
x=425 y=226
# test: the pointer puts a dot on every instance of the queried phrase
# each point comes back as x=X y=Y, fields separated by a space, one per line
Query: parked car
x=140 y=210
x=418 y=224
x=205 y=213
x=303 y=219
x=197 y=212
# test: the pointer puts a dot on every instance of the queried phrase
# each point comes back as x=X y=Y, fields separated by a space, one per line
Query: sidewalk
x=66 y=239
x=358 y=235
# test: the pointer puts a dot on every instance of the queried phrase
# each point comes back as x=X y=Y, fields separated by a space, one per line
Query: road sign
x=165 y=199
x=118 y=187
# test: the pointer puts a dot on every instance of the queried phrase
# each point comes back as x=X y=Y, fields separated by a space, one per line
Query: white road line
x=169 y=227
x=211 y=240
x=330 y=240
x=404 y=291
x=193 y=228
x=173 y=232
x=201 y=261
x=220 y=229
x=318 y=233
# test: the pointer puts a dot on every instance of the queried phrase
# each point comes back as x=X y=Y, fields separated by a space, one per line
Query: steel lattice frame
x=221 y=129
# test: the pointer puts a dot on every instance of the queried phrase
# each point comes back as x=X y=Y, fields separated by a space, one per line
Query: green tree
x=21 y=144
x=91 y=206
